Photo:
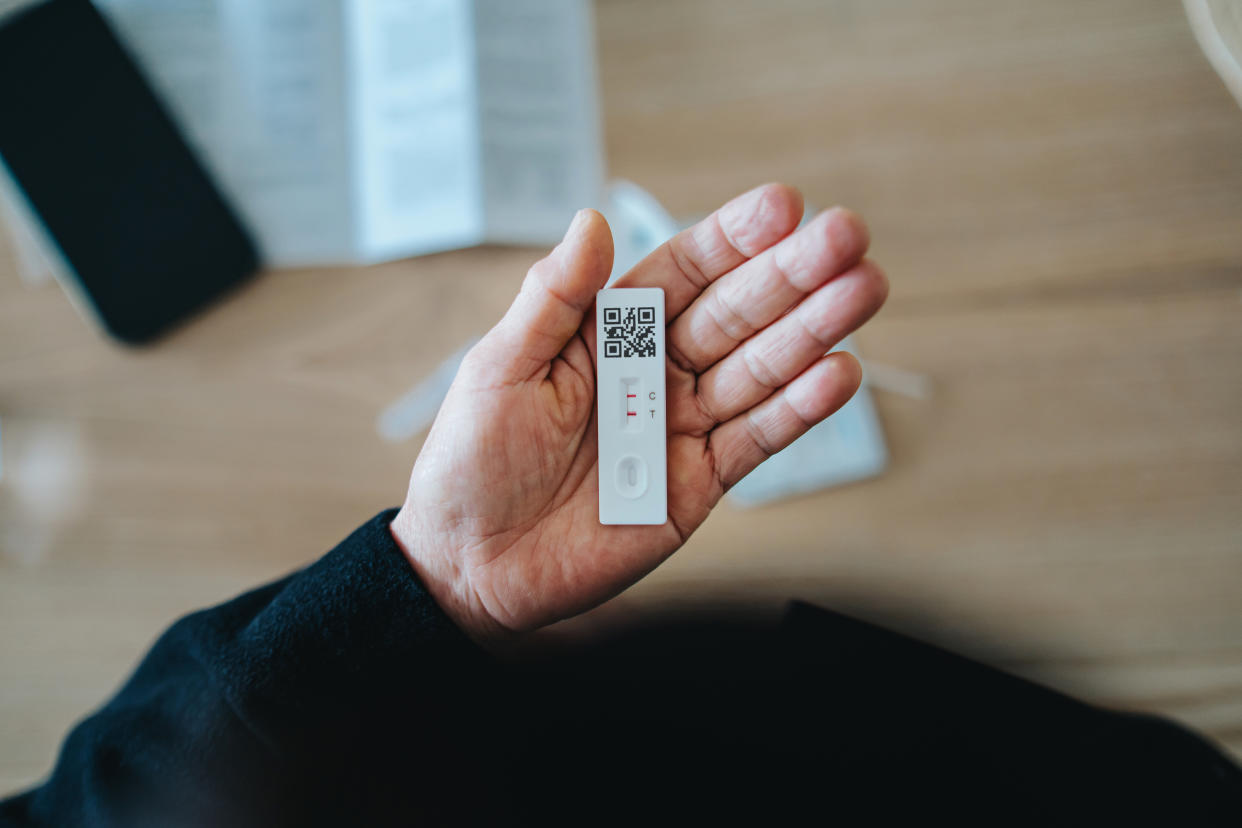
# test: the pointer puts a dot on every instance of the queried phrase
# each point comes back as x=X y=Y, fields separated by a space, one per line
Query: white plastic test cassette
x=629 y=356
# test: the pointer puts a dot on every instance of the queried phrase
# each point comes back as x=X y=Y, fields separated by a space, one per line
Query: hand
x=501 y=521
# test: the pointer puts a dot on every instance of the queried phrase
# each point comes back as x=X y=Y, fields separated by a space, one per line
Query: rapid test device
x=629 y=356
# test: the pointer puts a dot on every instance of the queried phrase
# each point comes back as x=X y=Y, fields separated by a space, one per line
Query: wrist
x=443 y=574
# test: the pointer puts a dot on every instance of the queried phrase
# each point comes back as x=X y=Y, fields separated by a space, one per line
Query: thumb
x=557 y=292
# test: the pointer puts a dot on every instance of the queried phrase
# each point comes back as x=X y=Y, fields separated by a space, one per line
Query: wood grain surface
x=1055 y=189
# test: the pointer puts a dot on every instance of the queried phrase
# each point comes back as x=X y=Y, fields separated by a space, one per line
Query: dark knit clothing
x=342 y=695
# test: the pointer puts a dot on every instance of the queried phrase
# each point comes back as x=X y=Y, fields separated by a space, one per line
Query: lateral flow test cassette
x=629 y=381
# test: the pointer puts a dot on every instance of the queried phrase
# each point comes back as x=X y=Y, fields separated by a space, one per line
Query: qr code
x=629 y=332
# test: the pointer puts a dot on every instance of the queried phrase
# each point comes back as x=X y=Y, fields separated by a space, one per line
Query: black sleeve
x=343 y=696
x=253 y=712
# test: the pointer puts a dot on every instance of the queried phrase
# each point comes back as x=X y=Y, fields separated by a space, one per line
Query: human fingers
x=549 y=308
x=783 y=350
x=751 y=437
x=761 y=290
x=690 y=261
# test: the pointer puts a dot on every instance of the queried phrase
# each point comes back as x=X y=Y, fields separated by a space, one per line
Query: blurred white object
x=1217 y=25
x=362 y=130
x=896 y=380
x=639 y=225
x=416 y=409
x=45 y=475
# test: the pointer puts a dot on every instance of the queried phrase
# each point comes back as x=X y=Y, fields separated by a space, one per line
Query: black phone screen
x=138 y=220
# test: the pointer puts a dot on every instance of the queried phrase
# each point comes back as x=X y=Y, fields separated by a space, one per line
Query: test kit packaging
x=629 y=353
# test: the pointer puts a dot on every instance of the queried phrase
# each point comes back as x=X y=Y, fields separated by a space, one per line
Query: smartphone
x=146 y=237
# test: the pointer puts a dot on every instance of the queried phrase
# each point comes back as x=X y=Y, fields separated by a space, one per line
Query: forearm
x=240 y=712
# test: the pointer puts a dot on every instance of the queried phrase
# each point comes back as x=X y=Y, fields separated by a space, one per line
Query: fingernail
x=576 y=224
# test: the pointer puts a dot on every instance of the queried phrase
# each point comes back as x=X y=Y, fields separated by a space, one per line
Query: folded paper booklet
x=362 y=130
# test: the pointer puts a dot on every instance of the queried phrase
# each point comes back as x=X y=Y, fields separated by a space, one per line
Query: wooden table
x=1056 y=191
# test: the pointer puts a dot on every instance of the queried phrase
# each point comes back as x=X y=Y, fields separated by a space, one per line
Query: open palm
x=501 y=521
